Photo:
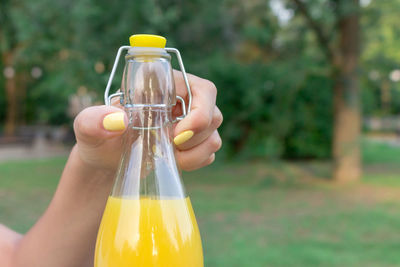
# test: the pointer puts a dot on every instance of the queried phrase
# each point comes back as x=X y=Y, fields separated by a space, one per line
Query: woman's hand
x=99 y=129
x=196 y=136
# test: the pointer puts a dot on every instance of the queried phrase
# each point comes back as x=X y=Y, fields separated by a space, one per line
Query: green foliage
x=270 y=115
x=273 y=80
x=311 y=132
x=380 y=56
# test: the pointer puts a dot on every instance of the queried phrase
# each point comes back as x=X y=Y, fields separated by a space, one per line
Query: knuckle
x=216 y=143
x=220 y=119
x=217 y=119
x=183 y=165
x=77 y=123
x=211 y=159
x=203 y=121
x=211 y=86
x=80 y=127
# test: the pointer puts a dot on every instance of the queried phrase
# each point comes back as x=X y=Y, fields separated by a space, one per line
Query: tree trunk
x=347 y=118
x=385 y=96
x=11 y=96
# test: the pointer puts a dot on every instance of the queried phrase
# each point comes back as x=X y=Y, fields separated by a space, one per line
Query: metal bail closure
x=189 y=91
x=108 y=97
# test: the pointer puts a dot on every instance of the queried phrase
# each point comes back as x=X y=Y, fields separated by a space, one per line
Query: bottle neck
x=148 y=167
x=148 y=80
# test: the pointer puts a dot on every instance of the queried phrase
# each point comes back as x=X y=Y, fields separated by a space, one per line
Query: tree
x=8 y=48
x=41 y=35
x=341 y=50
x=380 y=58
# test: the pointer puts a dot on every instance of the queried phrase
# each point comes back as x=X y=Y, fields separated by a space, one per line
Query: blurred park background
x=309 y=171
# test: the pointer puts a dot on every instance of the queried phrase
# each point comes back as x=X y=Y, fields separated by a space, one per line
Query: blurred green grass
x=260 y=213
x=380 y=152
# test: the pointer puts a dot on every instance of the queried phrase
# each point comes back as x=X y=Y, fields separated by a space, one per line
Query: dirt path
x=37 y=150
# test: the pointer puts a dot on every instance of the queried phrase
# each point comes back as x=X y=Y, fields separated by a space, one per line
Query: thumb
x=96 y=124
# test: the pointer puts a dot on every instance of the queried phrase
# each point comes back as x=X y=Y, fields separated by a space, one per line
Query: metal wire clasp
x=108 y=97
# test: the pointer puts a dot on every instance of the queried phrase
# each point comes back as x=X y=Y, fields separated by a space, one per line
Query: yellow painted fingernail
x=183 y=137
x=114 y=121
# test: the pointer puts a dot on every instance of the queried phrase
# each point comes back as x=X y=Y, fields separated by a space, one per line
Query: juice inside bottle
x=149 y=232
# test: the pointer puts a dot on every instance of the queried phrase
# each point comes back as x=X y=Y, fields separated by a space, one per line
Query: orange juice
x=148 y=232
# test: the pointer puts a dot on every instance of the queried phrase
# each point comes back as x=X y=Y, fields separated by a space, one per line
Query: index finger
x=204 y=95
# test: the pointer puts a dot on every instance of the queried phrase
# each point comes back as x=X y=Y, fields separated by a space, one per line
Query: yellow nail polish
x=183 y=137
x=114 y=121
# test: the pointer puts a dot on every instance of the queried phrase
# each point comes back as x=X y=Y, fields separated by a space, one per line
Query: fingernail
x=114 y=121
x=183 y=137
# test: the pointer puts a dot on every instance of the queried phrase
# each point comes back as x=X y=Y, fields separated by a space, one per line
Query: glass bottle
x=148 y=219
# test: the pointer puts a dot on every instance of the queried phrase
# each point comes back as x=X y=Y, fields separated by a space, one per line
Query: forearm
x=66 y=233
x=8 y=243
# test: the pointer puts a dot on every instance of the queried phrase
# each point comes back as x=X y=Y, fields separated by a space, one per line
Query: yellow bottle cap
x=147 y=40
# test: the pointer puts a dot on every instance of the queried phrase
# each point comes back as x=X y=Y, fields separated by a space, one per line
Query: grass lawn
x=261 y=213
